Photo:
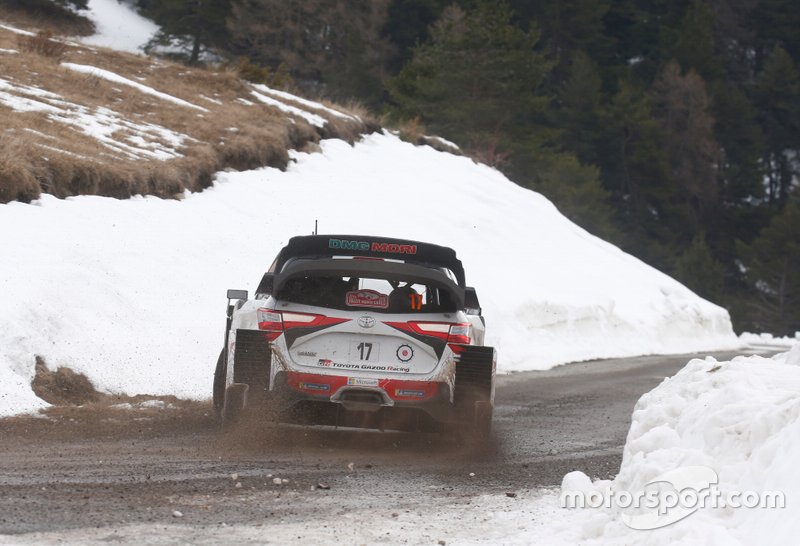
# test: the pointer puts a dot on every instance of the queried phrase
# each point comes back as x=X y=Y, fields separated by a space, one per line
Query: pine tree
x=578 y=108
x=477 y=81
x=692 y=43
x=194 y=25
x=330 y=47
x=683 y=111
x=700 y=271
x=772 y=263
x=778 y=100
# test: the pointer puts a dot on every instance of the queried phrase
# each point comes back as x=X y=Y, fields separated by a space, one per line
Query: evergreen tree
x=778 y=99
x=577 y=113
x=330 y=47
x=193 y=25
x=700 y=271
x=636 y=170
x=692 y=43
x=408 y=24
x=772 y=263
x=683 y=110
x=477 y=81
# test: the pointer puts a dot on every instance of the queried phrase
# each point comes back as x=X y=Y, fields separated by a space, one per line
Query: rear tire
x=219 y=383
x=235 y=403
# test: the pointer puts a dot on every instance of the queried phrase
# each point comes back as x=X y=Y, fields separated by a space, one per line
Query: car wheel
x=234 y=405
x=219 y=383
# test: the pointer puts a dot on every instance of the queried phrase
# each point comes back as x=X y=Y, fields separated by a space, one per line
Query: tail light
x=274 y=323
x=450 y=332
x=271 y=322
x=460 y=333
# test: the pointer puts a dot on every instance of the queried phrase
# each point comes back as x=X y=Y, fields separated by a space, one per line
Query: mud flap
x=252 y=363
x=473 y=397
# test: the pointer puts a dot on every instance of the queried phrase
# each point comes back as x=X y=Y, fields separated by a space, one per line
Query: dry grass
x=39 y=153
x=45 y=14
x=42 y=43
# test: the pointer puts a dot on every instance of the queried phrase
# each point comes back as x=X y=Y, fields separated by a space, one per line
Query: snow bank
x=118 y=26
x=132 y=293
x=739 y=418
x=768 y=340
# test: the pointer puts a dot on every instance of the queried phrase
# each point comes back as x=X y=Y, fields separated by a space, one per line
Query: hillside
x=131 y=291
x=87 y=120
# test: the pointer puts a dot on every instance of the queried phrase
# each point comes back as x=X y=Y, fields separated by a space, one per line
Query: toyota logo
x=366 y=321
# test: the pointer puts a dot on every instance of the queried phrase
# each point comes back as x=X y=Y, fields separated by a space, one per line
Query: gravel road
x=89 y=473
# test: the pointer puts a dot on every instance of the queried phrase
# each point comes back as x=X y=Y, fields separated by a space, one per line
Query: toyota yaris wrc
x=359 y=331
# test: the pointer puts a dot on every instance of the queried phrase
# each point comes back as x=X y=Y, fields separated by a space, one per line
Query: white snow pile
x=768 y=340
x=740 y=419
x=132 y=293
x=118 y=26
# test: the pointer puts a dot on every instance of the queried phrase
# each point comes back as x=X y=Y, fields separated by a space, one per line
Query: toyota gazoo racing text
x=359 y=331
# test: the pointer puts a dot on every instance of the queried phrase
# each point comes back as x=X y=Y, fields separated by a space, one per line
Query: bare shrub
x=17 y=182
x=411 y=130
x=42 y=43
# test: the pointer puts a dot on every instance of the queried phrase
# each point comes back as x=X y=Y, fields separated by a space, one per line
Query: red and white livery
x=359 y=331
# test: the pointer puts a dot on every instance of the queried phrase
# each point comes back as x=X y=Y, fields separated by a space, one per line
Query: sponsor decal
x=306 y=353
x=348 y=245
x=406 y=392
x=315 y=386
x=367 y=298
x=362 y=381
x=363 y=367
x=405 y=353
x=366 y=321
x=394 y=248
x=366 y=246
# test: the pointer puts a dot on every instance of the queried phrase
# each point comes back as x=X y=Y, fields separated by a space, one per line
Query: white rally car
x=359 y=331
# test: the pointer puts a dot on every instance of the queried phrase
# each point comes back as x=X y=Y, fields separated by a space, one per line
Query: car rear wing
x=317 y=246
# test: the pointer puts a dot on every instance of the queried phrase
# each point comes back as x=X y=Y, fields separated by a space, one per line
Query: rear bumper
x=371 y=403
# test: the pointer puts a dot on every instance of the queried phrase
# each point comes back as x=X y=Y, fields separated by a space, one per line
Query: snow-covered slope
x=739 y=419
x=118 y=26
x=132 y=292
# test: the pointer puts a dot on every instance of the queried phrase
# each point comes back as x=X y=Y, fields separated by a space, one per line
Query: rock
x=350 y=466
x=324 y=486
x=471 y=474
x=511 y=495
x=238 y=485
x=234 y=476
x=177 y=514
x=276 y=481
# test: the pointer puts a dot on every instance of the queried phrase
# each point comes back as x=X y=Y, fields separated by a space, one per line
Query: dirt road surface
x=162 y=472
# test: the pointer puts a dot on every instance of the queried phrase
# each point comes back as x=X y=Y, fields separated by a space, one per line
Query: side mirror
x=237 y=294
x=267 y=284
x=471 y=304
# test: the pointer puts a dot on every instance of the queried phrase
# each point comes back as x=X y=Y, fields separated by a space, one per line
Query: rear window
x=377 y=295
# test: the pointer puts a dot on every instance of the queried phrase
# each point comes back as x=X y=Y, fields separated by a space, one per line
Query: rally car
x=359 y=331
